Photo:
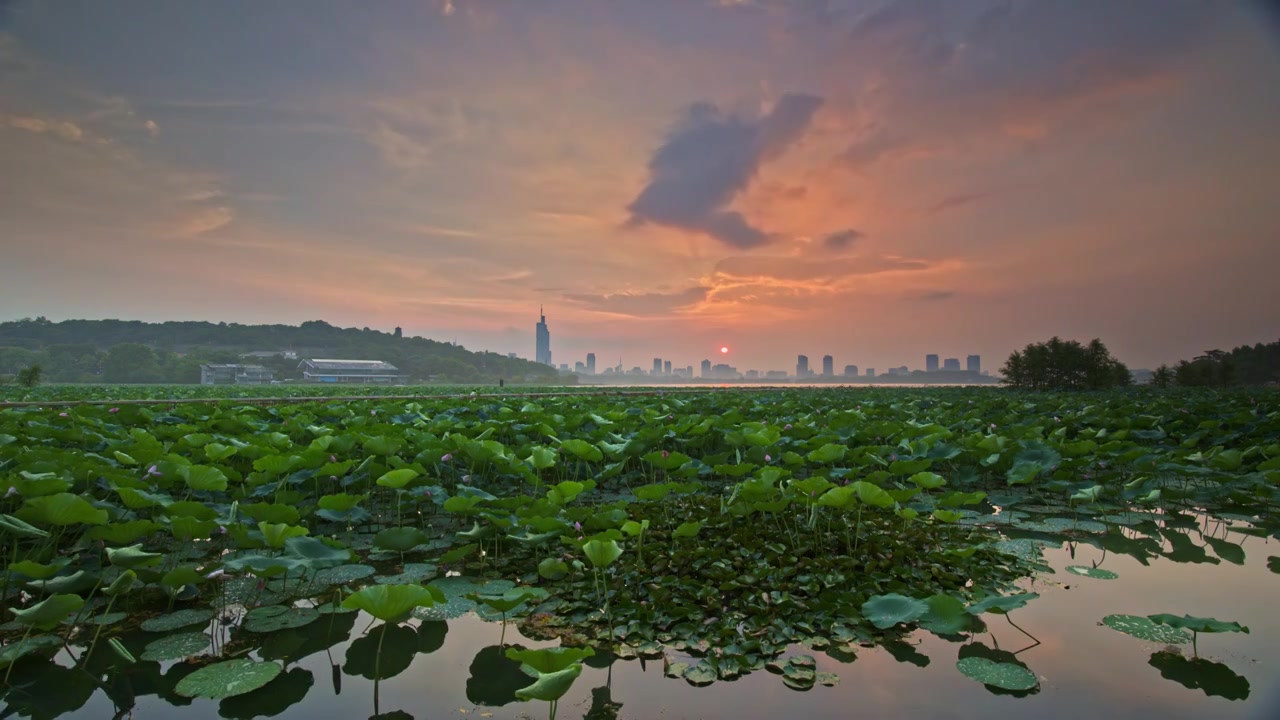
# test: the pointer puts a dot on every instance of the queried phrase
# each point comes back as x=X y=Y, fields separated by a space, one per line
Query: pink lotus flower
x=577 y=526
x=447 y=457
x=787 y=426
x=333 y=458
x=62 y=414
x=12 y=492
x=153 y=472
x=768 y=459
x=665 y=453
x=114 y=410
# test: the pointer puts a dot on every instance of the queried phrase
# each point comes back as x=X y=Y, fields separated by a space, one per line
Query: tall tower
x=591 y=363
x=802 y=366
x=931 y=363
x=828 y=366
x=542 y=336
x=974 y=363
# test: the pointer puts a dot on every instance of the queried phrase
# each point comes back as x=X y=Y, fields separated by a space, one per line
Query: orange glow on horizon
x=724 y=350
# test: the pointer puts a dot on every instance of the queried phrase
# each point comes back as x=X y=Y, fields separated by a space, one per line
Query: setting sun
x=724 y=349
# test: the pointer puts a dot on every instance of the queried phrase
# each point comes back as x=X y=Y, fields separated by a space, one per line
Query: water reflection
x=436 y=669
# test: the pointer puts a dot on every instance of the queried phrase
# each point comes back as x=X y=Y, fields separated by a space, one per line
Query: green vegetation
x=118 y=351
x=725 y=526
x=1245 y=365
x=1065 y=365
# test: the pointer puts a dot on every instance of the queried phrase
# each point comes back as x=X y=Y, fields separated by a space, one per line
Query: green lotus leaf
x=411 y=573
x=36 y=645
x=885 y=611
x=1001 y=604
x=275 y=513
x=388 y=602
x=218 y=451
x=278 y=617
x=1006 y=676
x=551 y=685
x=553 y=568
x=48 y=613
x=1197 y=624
x=286 y=690
x=509 y=600
x=1093 y=572
x=947 y=516
x=64 y=509
x=176 y=647
x=828 y=453
x=946 y=615
x=870 y=494
x=928 y=480
x=122 y=585
x=39 y=571
x=549 y=660
x=542 y=458
x=180 y=619
x=14 y=526
x=602 y=553
x=124 y=459
x=397 y=478
x=316 y=553
x=227 y=679
x=344 y=574
x=132 y=556
x=700 y=674
x=583 y=450
x=276 y=533
x=191 y=509
x=204 y=478
x=399 y=539
x=123 y=533
x=686 y=530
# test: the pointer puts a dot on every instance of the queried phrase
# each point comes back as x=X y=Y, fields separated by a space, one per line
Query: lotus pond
x=807 y=552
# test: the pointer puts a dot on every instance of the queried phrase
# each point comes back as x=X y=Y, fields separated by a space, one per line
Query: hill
x=133 y=351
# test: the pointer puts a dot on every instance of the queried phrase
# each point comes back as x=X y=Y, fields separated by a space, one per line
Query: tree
x=1163 y=377
x=130 y=363
x=30 y=376
x=1065 y=365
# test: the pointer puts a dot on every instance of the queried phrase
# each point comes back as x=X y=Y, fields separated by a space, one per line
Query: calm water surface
x=1085 y=669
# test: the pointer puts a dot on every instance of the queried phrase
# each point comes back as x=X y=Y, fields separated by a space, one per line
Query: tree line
x=1257 y=364
x=118 y=351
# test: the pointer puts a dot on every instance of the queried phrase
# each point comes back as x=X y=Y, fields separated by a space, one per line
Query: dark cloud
x=958 y=200
x=842 y=240
x=710 y=157
x=936 y=295
x=640 y=304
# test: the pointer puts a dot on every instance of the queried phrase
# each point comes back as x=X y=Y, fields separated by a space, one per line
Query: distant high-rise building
x=542 y=351
x=706 y=368
x=951 y=364
x=828 y=366
x=871 y=372
x=666 y=367
x=776 y=374
x=753 y=374
x=974 y=363
x=591 y=363
x=579 y=368
x=851 y=371
x=688 y=371
x=802 y=366
x=564 y=367
x=657 y=366
x=931 y=363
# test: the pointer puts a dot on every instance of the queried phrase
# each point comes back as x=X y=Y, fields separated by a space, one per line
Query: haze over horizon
x=868 y=179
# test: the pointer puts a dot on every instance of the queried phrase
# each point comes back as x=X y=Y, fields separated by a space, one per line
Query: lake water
x=1085 y=669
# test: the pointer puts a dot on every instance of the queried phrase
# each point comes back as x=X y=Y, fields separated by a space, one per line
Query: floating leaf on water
x=176 y=647
x=37 y=644
x=179 y=619
x=388 y=602
x=1273 y=563
x=227 y=679
x=1093 y=572
x=343 y=574
x=1006 y=676
x=946 y=615
x=1197 y=624
x=278 y=617
x=828 y=679
x=286 y=690
x=1001 y=604
x=700 y=674
x=410 y=573
x=885 y=611
x=1143 y=629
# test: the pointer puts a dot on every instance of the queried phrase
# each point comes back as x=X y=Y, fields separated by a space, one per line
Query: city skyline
x=871 y=179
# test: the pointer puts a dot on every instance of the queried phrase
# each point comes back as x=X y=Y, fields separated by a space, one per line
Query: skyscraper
x=931 y=363
x=951 y=364
x=851 y=371
x=706 y=368
x=974 y=363
x=591 y=363
x=542 y=353
x=828 y=366
x=871 y=372
x=666 y=367
x=657 y=366
x=802 y=366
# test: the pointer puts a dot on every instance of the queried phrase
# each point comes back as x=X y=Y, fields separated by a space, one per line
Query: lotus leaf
x=48 y=613
x=179 y=619
x=1144 y=629
x=885 y=611
x=1093 y=572
x=176 y=647
x=63 y=509
x=1197 y=624
x=227 y=679
x=1001 y=604
x=132 y=557
x=388 y=602
x=204 y=478
x=549 y=660
x=1006 y=676
x=37 y=645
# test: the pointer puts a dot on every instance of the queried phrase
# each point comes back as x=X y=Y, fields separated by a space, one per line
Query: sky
x=870 y=179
